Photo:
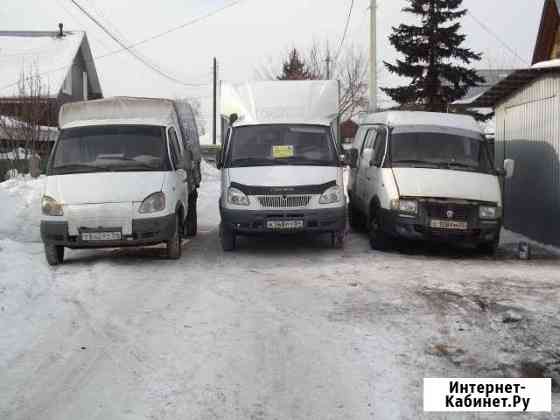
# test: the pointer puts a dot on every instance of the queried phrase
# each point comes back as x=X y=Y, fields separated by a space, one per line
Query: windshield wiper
x=416 y=162
x=457 y=165
x=252 y=161
x=81 y=167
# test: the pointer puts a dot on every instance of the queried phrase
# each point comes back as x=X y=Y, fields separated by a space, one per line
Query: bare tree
x=22 y=127
x=350 y=67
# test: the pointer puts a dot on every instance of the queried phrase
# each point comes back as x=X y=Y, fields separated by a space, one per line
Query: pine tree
x=433 y=57
x=294 y=68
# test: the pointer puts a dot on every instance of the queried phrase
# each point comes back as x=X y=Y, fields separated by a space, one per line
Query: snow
x=36 y=52
x=547 y=64
x=283 y=328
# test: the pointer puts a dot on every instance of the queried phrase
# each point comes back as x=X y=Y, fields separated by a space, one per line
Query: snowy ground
x=286 y=329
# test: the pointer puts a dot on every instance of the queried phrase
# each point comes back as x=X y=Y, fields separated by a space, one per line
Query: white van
x=424 y=176
x=282 y=167
x=123 y=172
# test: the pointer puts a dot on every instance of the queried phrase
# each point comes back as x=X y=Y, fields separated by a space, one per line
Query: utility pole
x=215 y=103
x=328 y=61
x=373 y=58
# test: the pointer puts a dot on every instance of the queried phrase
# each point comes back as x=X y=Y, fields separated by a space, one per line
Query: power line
x=501 y=41
x=345 y=30
x=156 y=36
x=129 y=49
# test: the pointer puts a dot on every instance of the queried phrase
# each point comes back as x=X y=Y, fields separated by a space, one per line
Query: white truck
x=123 y=172
x=282 y=166
x=425 y=176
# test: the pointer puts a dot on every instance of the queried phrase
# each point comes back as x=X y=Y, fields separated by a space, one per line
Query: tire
x=54 y=254
x=227 y=238
x=378 y=239
x=355 y=218
x=338 y=239
x=191 y=225
x=174 y=244
x=489 y=248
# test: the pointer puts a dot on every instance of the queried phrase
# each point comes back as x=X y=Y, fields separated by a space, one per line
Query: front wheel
x=191 y=227
x=489 y=248
x=174 y=243
x=337 y=239
x=227 y=238
x=355 y=218
x=378 y=239
x=54 y=254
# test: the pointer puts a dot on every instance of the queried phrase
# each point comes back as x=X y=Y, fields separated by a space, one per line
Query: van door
x=353 y=172
x=180 y=181
x=373 y=182
x=364 y=159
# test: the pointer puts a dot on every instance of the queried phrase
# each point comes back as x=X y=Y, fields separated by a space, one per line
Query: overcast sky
x=247 y=36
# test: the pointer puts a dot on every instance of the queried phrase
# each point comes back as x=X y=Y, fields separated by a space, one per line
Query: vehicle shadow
x=284 y=245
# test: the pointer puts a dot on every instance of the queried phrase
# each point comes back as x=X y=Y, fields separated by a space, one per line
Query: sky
x=253 y=34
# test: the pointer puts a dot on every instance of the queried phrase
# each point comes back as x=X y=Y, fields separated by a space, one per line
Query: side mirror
x=233 y=118
x=351 y=158
x=219 y=163
x=509 y=168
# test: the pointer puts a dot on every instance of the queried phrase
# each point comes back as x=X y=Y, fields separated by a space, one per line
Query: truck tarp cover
x=282 y=101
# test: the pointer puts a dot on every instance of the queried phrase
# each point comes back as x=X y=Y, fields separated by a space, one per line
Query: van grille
x=284 y=201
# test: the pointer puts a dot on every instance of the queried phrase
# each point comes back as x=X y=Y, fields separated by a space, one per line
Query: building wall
x=528 y=131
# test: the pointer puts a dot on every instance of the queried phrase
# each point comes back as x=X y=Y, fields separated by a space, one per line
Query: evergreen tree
x=433 y=57
x=294 y=68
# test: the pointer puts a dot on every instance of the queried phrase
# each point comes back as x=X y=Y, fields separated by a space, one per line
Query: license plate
x=284 y=224
x=101 y=236
x=448 y=224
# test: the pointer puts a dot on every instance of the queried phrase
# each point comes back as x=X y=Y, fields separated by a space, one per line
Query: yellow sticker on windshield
x=284 y=151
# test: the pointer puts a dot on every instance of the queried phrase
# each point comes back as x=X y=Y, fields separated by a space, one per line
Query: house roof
x=550 y=21
x=491 y=77
x=44 y=52
x=514 y=82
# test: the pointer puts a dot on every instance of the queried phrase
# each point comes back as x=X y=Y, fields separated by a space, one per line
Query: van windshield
x=440 y=150
x=126 y=148
x=268 y=145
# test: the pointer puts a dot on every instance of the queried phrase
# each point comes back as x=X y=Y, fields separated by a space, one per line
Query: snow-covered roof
x=46 y=53
x=402 y=118
x=277 y=102
x=515 y=81
x=491 y=77
x=547 y=64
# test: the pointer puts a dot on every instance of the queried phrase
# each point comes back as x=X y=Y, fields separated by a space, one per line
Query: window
x=267 y=145
x=379 y=146
x=85 y=86
x=67 y=85
x=110 y=148
x=174 y=148
x=368 y=143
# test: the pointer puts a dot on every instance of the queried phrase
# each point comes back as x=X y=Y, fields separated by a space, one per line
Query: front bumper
x=249 y=222
x=149 y=231
x=418 y=228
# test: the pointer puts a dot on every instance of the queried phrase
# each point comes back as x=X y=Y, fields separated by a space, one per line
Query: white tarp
x=277 y=101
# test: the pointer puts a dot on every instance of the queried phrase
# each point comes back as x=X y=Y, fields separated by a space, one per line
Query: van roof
x=400 y=118
x=118 y=110
x=282 y=102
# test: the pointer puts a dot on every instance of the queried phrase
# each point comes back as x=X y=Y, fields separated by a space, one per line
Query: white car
x=425 y=176
x=120 y=174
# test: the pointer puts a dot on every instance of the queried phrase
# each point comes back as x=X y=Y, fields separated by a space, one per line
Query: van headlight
x=153 y=203
x=237 y=197
x=331 y=196
x=51 y=207
x=405 y=206
x=489 y=212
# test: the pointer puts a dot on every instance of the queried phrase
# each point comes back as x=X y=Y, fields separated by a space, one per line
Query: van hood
x=441 y=183
x=285 y=175
x=110 y=187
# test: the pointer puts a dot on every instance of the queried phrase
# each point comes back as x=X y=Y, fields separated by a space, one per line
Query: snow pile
x=209 y=172
x=509 y=237
x=21 y=208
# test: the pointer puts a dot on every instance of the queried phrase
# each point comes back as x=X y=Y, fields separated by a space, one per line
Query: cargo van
x=281 y=163
x=123 y=172
x=425 y=176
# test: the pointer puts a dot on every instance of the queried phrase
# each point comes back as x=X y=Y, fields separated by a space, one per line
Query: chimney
x=60 y=30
